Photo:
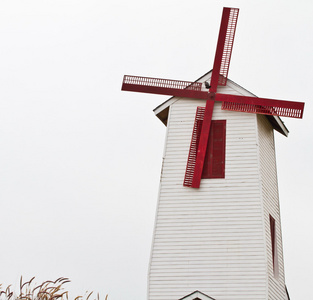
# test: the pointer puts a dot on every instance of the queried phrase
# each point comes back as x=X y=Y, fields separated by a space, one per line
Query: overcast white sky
x=80 y=160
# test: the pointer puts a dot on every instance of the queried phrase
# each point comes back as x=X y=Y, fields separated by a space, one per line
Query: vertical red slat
x=191 y=162
x=203 y=143
x=219 y=49
x=214 y=161
x=228 y=47
x=224 y=47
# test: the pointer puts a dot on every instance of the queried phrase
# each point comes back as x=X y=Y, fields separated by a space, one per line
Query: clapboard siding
x=209 y=239
x=216 y=239
x=276 y=286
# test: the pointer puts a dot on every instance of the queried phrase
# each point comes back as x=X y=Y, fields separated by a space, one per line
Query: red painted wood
x=214 y=163
x=161 y=86
x=261 y=105
x=190 y=168
x=230 y=102
x=224 y=47
x=203 y=143
x=161 y=82
x=165 y=91
x=228 y=47
x=219 y=49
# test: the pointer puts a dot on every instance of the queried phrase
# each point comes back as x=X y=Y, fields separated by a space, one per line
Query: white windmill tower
x=221 y=239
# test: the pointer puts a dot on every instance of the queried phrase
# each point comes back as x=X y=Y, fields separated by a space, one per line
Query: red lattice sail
x=203 y=120
x=228 y=46
x=191 y=161
x=180 y=88
x=224 y=47
x=263 y=106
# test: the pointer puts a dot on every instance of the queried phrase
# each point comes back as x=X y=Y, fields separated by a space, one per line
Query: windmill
x=237 y=256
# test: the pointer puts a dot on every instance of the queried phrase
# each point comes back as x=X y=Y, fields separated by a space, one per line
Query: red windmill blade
x=160 y=86
x=219 y=77
x=196 y=158
x=224 y=47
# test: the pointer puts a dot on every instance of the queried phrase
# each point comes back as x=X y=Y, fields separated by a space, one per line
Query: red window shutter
x=214 y=163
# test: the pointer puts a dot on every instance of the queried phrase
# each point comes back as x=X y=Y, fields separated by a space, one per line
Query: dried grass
x=48 y=290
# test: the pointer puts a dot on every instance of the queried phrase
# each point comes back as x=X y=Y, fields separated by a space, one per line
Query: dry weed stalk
x=48 y=290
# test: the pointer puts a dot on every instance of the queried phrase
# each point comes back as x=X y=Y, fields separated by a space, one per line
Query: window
x=214 y=163
x=274 y=246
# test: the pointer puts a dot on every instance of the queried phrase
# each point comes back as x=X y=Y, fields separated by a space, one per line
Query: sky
x=80 y=160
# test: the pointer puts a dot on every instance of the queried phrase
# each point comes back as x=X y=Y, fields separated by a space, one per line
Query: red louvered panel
x=203 y=142
x=214 y=164
x=191 y=162
x=163 y=83
x=179 y=88
x=228 y=46
x=224 y=47
x=264 y=110
x=264 y=106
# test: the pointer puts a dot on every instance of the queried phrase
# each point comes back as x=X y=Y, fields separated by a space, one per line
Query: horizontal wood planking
x=276 y=286
x=211 y=239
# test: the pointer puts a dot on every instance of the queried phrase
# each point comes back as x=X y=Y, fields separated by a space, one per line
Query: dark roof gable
x=196 y=295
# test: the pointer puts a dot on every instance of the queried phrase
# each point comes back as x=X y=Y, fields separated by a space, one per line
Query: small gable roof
x=162 y=110
x=197 y=295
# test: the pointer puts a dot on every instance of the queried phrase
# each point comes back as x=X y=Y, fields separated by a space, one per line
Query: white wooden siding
x=213 y=239
x=271 y=206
